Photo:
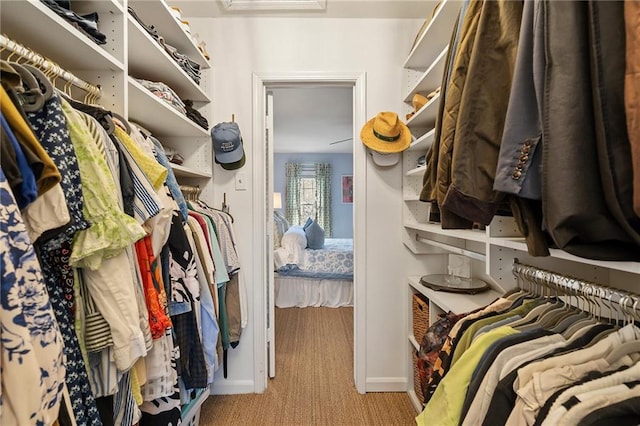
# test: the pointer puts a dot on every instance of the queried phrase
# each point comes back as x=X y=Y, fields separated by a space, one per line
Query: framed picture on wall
x=347 y=189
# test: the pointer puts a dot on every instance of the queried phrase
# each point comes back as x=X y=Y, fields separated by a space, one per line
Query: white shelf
x=418 y=171
x=149 y=61
x=520 y=244
x=43 y=31
x=158 y=14
x=462 y=234
x=435 y=37
x=412 y=197
x=159 y=117
x=423 y=142
x=431 y=79
x=100 y=6
x=414 y=342
x=185 y=172
x=426 y=116
x=454 y=302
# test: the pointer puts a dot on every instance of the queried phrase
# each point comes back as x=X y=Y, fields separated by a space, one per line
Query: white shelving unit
x=430 y=78
x=55 y=41
x=153 y=113
x=129 y=51
x=425 y=117
x=159 y=13
x=148 y=60
x=490 y=251
x=181 y=171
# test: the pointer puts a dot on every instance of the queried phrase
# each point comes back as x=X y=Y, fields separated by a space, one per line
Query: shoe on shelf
x=202 y=46
x=177 y=13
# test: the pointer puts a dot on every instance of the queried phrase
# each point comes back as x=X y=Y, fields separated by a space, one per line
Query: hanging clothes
x=472 y=120
x=32 y=344
x=632 y=92
x=508 y=372
x=129 y=284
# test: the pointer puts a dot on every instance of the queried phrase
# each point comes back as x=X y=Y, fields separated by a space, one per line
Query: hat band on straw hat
x=386 y=138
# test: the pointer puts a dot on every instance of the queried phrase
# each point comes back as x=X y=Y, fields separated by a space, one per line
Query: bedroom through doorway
x=310 y=171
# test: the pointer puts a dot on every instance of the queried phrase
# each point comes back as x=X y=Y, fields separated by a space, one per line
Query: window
x=308 y=207
x=308 y=194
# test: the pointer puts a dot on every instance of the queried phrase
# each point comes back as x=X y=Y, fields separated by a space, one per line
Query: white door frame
x=261 y=81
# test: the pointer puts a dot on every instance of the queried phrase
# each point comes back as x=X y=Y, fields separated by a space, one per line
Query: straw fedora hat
x=386 y=133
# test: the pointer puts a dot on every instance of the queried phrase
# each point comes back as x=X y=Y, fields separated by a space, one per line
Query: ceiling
x=309 y=119
x=415 y=9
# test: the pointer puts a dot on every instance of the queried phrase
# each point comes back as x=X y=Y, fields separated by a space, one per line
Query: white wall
x=241 y=46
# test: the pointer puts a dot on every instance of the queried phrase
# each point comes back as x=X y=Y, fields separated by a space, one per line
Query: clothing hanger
x=553 y=314
x=103 y=116
x=574 y=314
x=534 y=314
x=583 y=319
x=44 y=82
x=546 y=303
x=122 y=121
x=531 y=319
x=513 y=294
x=203 y=204
x=30 y=93
x=626 y=348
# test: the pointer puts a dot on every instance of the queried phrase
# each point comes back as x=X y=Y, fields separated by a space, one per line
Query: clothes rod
x=452 y=249
x=572 y=286
x=46 y=65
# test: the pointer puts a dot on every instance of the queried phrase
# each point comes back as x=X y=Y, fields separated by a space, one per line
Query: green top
x=466 y=339
x=111 y=230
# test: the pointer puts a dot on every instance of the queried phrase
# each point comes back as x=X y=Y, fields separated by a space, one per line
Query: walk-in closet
x=164 y=262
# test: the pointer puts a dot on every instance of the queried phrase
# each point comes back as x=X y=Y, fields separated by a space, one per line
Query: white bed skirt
x=305 y=292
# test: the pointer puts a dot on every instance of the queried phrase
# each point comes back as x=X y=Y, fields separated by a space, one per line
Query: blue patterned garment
x=59 y=279
x=50 y=127
x=33 y=368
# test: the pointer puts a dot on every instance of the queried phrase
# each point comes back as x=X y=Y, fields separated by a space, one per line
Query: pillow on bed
x=315 y=235
x=307 y=223
x=280 y=226
x=294 y=241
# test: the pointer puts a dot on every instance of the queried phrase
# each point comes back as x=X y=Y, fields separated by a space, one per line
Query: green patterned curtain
x=323 y=197
x=292 y=195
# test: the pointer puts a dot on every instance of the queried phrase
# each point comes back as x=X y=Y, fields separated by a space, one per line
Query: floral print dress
x=30 y=340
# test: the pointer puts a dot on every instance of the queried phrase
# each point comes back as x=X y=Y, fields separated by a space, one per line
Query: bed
x=308 y=277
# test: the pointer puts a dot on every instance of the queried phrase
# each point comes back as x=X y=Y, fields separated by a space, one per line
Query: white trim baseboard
x=232 y=387
x=386 y=384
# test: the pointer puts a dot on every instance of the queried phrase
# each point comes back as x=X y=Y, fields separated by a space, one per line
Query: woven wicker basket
x=417 y=387
x=420 y=316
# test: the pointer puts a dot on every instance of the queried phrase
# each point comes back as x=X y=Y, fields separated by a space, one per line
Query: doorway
x=263 y=178
x=311 y=166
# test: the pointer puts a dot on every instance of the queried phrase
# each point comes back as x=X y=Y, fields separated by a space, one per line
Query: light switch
x=241 y=181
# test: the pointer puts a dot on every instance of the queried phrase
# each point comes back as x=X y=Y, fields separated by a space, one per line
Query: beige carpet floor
x=314 y=380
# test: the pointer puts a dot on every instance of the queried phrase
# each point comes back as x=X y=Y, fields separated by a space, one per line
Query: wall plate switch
x=241 y=181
